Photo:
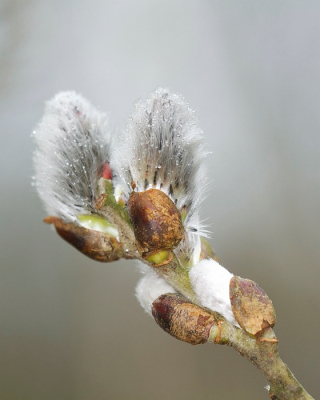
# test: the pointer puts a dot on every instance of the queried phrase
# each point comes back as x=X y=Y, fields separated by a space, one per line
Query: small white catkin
x=210 y=282
x=150 y=287
x=73 y=141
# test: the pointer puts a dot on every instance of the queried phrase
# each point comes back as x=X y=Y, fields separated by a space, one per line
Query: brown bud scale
x=99 y=202
x=94 y=244
x=251 y=306
x=156 y=221
x=183 y=320
x=207 y=251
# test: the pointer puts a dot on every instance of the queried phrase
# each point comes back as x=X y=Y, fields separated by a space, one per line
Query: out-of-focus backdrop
x=71 y=328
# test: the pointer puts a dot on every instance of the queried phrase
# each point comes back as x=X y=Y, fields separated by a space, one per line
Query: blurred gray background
x=71 y=328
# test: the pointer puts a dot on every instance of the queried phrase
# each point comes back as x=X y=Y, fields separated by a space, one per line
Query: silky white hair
x=73 y=141
x=210 y=282
x=150 y=287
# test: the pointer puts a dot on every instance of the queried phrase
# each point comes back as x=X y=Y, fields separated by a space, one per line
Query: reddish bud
x=106 y=171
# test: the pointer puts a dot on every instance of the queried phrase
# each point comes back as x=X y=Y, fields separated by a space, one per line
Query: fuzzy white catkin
x=73 y=141
x=162 y=148
x=150 y=287
x=210 y=282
